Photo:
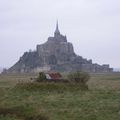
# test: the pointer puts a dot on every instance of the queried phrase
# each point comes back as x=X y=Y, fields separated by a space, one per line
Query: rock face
x=55 y=55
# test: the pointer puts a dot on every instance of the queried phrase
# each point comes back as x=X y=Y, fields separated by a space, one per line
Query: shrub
x=41 y=77
x=79 y=77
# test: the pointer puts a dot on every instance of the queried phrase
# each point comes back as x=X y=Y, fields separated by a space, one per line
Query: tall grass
x=22 y=113
x=58 y=87
x=59 y=101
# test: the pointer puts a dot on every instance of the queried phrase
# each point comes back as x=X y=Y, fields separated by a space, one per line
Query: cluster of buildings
x=56 y=54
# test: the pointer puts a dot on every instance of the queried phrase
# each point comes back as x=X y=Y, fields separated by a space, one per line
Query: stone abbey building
x=56 y=54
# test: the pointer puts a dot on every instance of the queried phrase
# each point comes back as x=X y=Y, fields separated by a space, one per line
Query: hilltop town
x=56 y=54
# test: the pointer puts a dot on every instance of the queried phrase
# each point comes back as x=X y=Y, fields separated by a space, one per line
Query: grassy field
x=19 y=100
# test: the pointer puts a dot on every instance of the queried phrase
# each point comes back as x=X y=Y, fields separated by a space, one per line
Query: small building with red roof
x=53 y=76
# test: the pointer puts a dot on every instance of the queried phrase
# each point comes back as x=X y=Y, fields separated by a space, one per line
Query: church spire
x=57 y=32
x=57 y=29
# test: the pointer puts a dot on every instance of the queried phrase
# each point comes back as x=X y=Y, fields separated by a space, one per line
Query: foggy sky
x=93 y=26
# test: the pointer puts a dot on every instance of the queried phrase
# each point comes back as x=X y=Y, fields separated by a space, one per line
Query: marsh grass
x=58 y=87
x=21 y=112
x=25 y=100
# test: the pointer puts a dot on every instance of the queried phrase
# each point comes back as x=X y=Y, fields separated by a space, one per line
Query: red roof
x=54 y=76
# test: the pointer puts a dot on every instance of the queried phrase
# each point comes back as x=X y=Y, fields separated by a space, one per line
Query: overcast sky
x=93 y=26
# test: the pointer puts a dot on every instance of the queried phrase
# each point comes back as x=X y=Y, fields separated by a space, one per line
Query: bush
x=41 y=77
x=79 y=77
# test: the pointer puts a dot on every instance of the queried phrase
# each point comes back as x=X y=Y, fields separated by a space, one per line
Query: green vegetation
x=21 y=112
x=20 y=99
x=41 y=77
x=80 y=78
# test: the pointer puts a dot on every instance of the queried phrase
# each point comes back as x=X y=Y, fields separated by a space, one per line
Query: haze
x=93 y=26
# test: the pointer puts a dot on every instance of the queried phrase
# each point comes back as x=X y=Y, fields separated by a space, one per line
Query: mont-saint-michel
x=56 y=54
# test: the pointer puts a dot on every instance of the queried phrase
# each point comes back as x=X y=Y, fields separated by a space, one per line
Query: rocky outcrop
x=55 y=55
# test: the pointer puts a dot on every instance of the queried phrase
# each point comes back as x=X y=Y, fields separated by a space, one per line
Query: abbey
x=56 y=54
x=56 y=50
